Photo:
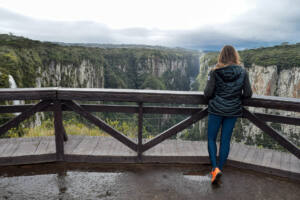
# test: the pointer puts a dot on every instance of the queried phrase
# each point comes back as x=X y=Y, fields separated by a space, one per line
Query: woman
x=227 y=84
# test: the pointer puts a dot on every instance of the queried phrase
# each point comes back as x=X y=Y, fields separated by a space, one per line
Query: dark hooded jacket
x=225 y=89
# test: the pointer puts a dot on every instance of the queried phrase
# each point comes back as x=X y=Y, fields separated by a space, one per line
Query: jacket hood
x=229 y=73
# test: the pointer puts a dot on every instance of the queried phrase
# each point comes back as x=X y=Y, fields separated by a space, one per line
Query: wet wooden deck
x=96 y=149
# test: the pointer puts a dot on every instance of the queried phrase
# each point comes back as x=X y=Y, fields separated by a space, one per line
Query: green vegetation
x=74 y=127
x=153 y=82
x=284 y=56
x=4 y=80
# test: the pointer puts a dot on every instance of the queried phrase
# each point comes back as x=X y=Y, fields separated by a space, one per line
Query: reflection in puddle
x=205 y=179
x=69 y=185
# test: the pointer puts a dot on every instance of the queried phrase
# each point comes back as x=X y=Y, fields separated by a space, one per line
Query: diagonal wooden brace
x=175 y=129
x=273 y=133
x=102 y=125
x=24 y=115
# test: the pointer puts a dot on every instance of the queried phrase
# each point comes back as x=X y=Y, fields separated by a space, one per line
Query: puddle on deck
x=133 y=181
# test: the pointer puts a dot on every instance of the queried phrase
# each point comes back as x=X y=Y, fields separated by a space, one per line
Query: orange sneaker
x=216 y=174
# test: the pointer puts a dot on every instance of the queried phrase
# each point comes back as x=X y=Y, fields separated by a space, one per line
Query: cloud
x=268 y=23
x=47 y=30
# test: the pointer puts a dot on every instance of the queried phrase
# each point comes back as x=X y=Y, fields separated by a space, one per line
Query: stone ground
x=139 y=181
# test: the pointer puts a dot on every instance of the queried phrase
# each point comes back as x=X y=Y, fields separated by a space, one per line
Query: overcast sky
x=196 y=24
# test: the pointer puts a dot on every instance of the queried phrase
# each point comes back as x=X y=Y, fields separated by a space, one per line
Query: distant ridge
x=127 y=46
x=10 y=38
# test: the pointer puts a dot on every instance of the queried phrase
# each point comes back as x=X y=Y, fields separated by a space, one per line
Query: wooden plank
x=86 y=147
x=175 y=129
x=240 y=156
x=259 y=157
x=24 y=115
x=117 y=149
x=205 y=148
x=202 y=149
x=273 y=133
x=191 y=150
x=51 y=148
x=103 y=147
x=124 y=150
x=176 y=148
x=232 y=151
x=295 y=164
x=181 y=147
x=72 y=143
x=285 y=161
x=184 y=147
x=254 y=156
x=3 y=141
x=237 y=146
x=172 y=147
x=113 y=149
x=10 y=149
x=196 y=148
x=267 y=159
x=42 y=146
x=102 y=125
x=276 y=158
x=250 y=154
x=3 y=147
x=26 y=148
x=166 y=148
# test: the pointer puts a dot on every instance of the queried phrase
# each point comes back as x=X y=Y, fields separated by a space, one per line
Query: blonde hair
x=228 y=56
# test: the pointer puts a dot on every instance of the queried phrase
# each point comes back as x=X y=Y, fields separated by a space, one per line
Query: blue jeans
x=214 y=123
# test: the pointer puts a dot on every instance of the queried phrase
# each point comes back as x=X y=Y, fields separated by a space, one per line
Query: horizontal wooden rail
x=145 y=96
x=28 y=94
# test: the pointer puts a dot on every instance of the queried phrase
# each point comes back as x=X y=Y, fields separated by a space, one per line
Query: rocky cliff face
x=265 y=80
x=85 y=75
x=89 y=75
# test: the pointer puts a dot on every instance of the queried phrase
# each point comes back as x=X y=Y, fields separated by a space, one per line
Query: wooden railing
x=58 y=100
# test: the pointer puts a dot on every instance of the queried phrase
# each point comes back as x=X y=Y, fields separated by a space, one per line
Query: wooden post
x=140 y=131
x=59 y=131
